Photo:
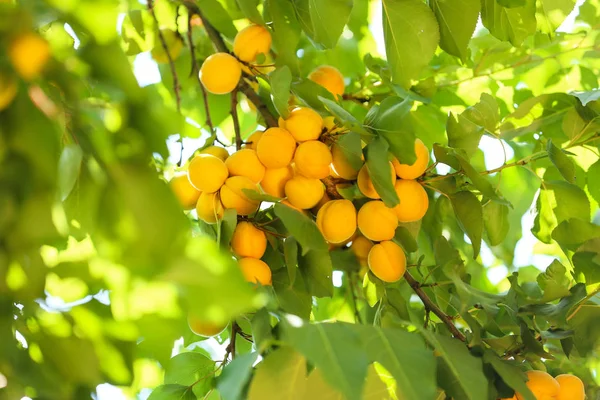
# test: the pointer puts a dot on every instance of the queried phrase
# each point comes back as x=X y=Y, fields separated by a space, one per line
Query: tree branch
x=351 y=285
x=236 y=121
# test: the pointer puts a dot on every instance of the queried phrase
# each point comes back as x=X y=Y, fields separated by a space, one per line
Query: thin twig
x=230 y=349
x=351 y=284
x=236 y=121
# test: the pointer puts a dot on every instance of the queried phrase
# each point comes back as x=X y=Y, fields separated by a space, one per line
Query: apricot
x=184 y=191
x=360 y=247
x=256 y=271
x=274 y=181
x=387 y=261
x=29 y=53
x=365 y=184
x=416 y=169
x=376 y=221
x=312 y=159
x=413 y=200
x=207 y=173
x=233 y=196
x=252 y=141
x=216 y=151
x=174 y=45
x=337 y=220
x=340 y=163
x=245 y=162
x=324 y=200
x=203 y=328
x=276 y=148
x=220 y=73
x=251 y=41
x=304 y=124
x=571 y=387
x=542 y=385
x=209 y=208
x=330 y=78
x=303 y=192
x=8 y=91
x=248 y=240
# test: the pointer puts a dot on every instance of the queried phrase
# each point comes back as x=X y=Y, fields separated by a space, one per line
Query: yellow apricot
x=360 y=247
x=329 y=123
x=203 y=328
x=304 y=124
x=275 y=179
x=571 y=387
x=29 y=54
x=248 y=240
x=174 y=44
x=220 y=73
x=276 y=148
x=416 y=169
x=8 y=91
x=303 y=192
x=216 y=151
x=387 y=261
x=209 y=208
x=542 y=385
x=337 y=220
x=207 y=173
x=413 y=200
x=312 y=159
x=245 y=162
x=376 y=221
x=251 y=41
x=365 y=184
x=256 y=271
x=233 y=196
x=184 y=191
x=330 y=78
x=324 y=200
x=252 y=141
x=340 y=163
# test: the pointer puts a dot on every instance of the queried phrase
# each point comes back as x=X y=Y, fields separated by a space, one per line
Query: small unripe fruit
x=220 y=73
x=542 y=385
x=248 y=241
x=207 y=173
x=174 y=45
x=413 y=200
x=256 y=271
x=304 y=124
x=209 y=208
x=205 y=329
x=387 y=261
x=337 y=220
x=360 y=247
x=571 y=387
x=330 y=78
x=252 y=141
x=275 y=179
x=312 y=159
x=418 y=168
x=216 y=151
x=365 y=184
x=251 y=41
x=303 y=192
x=376 y=221
x=276 y=148
x=341 y=166
x=29 y=54
x=233 y=196
x=245 y=162
x=184 y=191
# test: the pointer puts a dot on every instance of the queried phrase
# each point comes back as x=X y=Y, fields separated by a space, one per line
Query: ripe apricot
x=365 y=184
x=324 y=200
x=304 y=124
x=330 y=78
x=276 y=148
x=220 y=73
x=174 y=45
x=337 y=220
x=248 y=240
x=416 y=169
x=303 y=192
x=312 y=159
x=571 y=387
x=360 y=247
x=207 y=173
x=387 y=261
x=251 y=41
x=376 y=221
x=209 y=208
x=29 y=54
x=203 y=328
x=245 y=162
x=413 y=200
x=233 y=196
x=184 y=191
x=256 y=271
x=275 y=179
x=216 y=151
x=252 y=141
x=8 y=91
x=340 y=163
x=542 y=385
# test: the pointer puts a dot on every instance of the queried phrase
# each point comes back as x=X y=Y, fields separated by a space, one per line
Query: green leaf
x=587 y=261
x=593 y=180
x=250 y=10
x=290 y=252
x=510 y=374
x=457 y=20
x=281 y=80
x=293 y=299
x=405 y=239
x=311 y=93
x=232 y=381
x=316 y=268
x=411 y=36
x=218 y=17
x=282 y=372
x=254 y=195
x=261 y=328
x=187 y=368
x=286 y=33
x=573 y=232
x=352 y=150
x=172 y=392
x=587 y=97
x=496 y=222
x=554 y=282
x=328 y=19
x=379 y=171
x=318 y=388
x=301 y=227
x=343 y=116
x=469 y=213
x=586 y=324
x=227 y=226
x=69 y=166
x=509 y=24
x=565 y=165
x=551 y=14
x=463 y=134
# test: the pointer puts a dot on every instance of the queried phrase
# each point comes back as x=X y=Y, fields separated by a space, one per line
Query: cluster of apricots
x=545 y=387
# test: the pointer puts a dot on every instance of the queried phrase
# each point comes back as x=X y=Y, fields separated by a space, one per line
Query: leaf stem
x=236 y=121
